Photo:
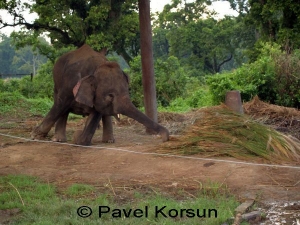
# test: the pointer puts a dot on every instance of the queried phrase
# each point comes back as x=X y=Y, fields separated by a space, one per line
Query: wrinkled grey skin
x=85 y=83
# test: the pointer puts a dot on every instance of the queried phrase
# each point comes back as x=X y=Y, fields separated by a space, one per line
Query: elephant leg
x=60 y=129
x=107 y=135
x=57 y=110
x=85 y=137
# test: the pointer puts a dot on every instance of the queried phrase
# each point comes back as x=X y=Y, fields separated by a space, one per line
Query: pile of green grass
x=218 y=131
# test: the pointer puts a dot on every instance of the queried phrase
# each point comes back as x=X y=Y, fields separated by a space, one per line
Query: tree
x=147 y=61
x=191 y=33
x=111 y=24
x=19 y=60
x=7 y=53
x=27 y=60
x=275 y=20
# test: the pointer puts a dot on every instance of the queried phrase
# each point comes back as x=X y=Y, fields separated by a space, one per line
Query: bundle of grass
x=218 y=131
x=258 y=109
x=283 y=119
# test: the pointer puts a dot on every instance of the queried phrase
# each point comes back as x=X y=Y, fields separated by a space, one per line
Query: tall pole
x=147 y=60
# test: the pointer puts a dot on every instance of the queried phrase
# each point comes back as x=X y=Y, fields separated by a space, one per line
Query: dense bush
x=9 y=85
x=287 y=69
x=40 y=87
x=9 y=101
x=23 y=96
x=17 y=105
x=274 y=77
x=170 y=78
x=176 y=89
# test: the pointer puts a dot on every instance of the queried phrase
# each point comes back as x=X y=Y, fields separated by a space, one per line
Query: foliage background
x=198 y=58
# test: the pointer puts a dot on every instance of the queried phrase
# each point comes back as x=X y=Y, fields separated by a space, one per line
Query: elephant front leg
x=107 y=136
x=60 y=129
x=85 y=137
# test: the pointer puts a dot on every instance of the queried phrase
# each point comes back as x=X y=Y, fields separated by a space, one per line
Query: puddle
x=279 y=213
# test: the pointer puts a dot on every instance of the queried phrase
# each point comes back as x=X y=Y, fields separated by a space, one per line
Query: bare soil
x=110 y=168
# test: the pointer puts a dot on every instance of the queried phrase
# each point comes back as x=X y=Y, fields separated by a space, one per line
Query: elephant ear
x=84 y=91
x=126 y=77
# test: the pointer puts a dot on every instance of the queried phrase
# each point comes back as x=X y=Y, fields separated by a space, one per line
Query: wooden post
x=233 y=101
x=147 y=60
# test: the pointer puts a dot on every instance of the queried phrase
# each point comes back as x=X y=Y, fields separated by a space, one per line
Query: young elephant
x=86 y=83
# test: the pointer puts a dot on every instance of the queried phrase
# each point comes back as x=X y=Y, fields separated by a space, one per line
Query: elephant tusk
x=117 y=117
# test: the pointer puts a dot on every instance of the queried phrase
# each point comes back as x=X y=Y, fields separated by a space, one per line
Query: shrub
x=42 y=84
x=16 y=104
x=287 y=69
x=135 y=82
x=199 y=98
x=10 y=85
x=40 y=87
x=177 y=105
x=9 y=101
x=39 y=106
x=170 y=80
x=274 y=77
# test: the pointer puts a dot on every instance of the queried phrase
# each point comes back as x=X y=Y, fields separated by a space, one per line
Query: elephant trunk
x=128 y=109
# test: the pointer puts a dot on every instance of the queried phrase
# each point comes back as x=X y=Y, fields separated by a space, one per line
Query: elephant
x=86 y=83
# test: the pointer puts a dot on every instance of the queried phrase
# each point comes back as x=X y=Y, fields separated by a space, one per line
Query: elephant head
x=107 y=90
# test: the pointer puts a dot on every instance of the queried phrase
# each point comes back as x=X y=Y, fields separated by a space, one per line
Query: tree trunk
x=147 y=60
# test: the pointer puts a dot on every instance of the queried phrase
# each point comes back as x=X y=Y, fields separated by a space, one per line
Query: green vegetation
x=41 y=203
x=274 y=77
x=16 y=105
x=198 y=58
x=176 y=90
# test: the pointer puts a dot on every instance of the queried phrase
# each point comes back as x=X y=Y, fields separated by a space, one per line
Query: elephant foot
x=78 y=140
x=59 y=138
x=165 y=135
x=36 y=134
x=108 y=139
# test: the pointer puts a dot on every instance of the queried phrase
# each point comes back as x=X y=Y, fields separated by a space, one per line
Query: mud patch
x=7 y=214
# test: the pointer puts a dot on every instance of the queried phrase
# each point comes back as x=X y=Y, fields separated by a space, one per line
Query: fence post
x=234 y=101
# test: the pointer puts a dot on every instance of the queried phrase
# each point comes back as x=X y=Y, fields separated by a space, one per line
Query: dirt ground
x=113 y=169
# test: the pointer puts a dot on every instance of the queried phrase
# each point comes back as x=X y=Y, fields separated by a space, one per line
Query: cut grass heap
x=218 y=131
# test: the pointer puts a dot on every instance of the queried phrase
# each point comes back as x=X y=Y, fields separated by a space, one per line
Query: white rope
x=157 y=154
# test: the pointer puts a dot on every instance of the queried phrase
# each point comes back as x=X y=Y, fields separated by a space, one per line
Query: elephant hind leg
x=57 y=110
x=107 y=136
x=60 y=128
